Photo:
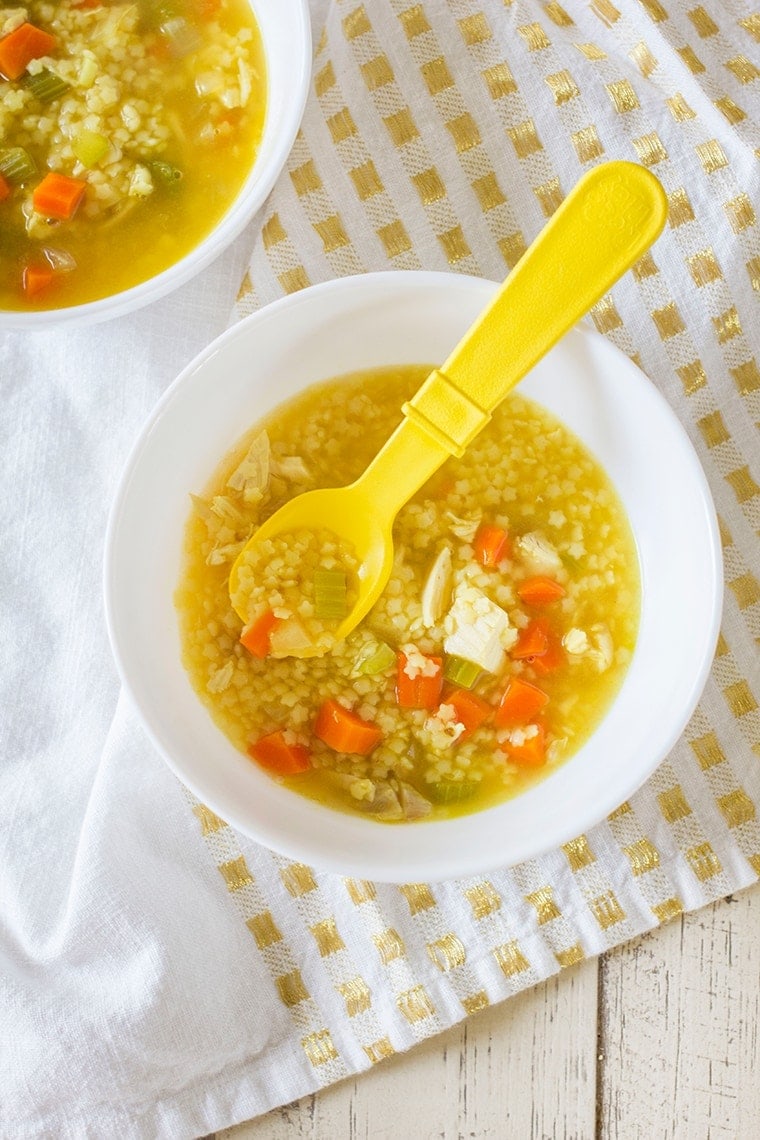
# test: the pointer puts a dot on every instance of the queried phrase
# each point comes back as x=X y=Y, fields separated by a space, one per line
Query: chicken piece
x=596 y=645
x=477 y=629
x=414 y=805
x=386 y=805
x=437 y=589
x=251 y=476
x=537 y=553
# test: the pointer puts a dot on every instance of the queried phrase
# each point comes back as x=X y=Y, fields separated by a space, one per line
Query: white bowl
x=392 y=318
x=286 y=37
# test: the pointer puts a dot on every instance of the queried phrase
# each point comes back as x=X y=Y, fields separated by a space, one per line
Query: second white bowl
x=286 y=37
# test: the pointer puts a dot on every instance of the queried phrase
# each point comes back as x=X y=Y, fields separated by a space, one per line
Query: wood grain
x=525 y=1068
x=658 y=1041
x=679 y=1028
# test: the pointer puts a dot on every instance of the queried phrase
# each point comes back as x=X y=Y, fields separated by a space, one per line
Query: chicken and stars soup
x=498 y=644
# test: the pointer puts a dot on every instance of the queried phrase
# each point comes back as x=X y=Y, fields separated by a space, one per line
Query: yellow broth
x=526 y=474
x=175 y=91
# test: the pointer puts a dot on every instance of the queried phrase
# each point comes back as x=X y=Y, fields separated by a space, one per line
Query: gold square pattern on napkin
x=441 y=135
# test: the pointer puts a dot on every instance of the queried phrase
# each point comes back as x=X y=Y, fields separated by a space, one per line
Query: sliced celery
x=330 y=594
x=376 y=659
x=461 y=672
x=17 y=164
x=88 y=70
x=90 y=147
x=451 y=791
x=46 y=85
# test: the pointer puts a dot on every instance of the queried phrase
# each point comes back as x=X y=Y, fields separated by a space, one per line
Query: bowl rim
x=250 y=198
x=469 y=863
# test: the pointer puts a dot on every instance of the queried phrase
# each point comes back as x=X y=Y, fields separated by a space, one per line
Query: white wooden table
x=658 y=1040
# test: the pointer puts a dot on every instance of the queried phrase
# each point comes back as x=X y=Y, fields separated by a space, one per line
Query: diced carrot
x=540 y=591
x=418 y=692
x=553 y=659
x=5 y=189
x=520 y=703
x=37 y=278
x=58 y=196
x=532 y=641
x=491 y=544
x=256 y=637
x=276 y=754
x=21 y=46
x=471 y=710
x=344 y=731
x=207 y=9
x=531 y=753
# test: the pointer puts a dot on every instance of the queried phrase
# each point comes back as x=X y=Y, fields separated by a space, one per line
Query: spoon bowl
x=328 y=509
x=605 y=224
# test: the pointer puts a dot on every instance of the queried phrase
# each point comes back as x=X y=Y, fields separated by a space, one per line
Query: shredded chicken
x=385 y=804
x=465 y=529
x=289 y=467
x=227 y=552
x=477 y=629
x=224 y=508
x=437 y=589
x=576 y=642
x=596 y=645
x=414 y=805
x=202 y=508
x=251 y=476
x=538 y=553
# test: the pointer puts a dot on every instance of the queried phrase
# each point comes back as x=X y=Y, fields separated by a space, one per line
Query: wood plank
x=679 y=1016
x=525 y=1069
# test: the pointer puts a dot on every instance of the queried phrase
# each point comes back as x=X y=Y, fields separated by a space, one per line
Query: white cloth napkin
x=162 y=976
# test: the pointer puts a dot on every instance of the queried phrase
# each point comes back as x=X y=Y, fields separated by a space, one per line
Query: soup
x=126 y=132
x=499 y=642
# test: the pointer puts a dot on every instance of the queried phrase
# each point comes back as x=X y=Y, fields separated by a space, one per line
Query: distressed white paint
x=680 y=1012
x=658 y=1041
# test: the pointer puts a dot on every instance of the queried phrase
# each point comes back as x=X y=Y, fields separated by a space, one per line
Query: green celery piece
x=46 y=85
x=452 y=792
x=381 y=657
x=17 y=164
x=461 y=672
x=89 y=147
x=330 y=594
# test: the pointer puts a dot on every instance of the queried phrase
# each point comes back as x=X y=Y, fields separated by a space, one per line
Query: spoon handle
x=604 y=225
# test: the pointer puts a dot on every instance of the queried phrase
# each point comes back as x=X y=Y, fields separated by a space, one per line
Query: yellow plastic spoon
x=605 y=224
